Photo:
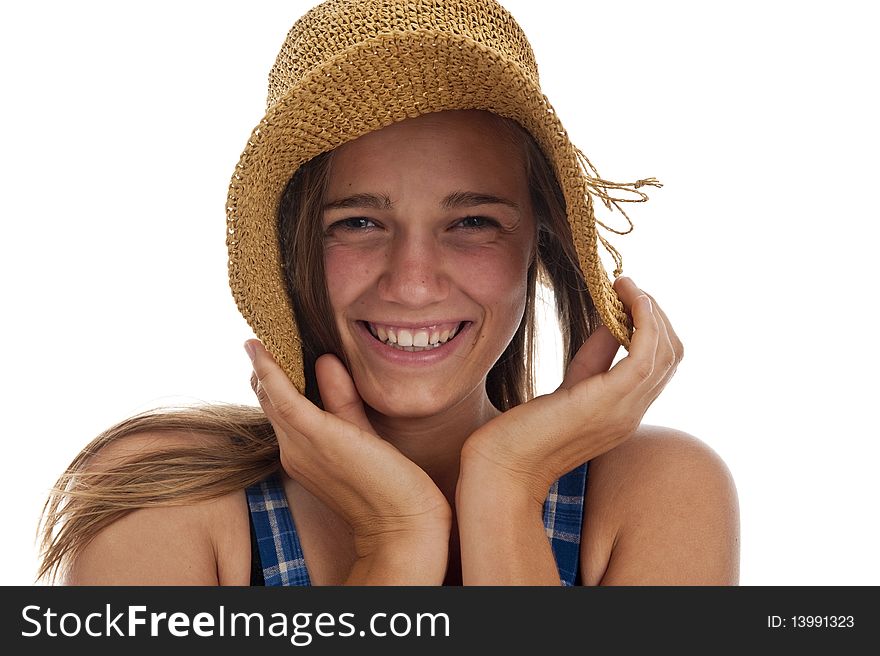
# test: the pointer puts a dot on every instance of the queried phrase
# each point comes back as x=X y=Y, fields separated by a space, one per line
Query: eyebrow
x=373 y=201
x=454 y=200
x=471 y=199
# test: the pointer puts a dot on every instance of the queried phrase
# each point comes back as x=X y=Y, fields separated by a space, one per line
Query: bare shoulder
x=166 y=544
x=661 y=509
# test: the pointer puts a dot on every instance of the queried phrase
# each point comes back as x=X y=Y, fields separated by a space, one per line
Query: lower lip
x=412 y=358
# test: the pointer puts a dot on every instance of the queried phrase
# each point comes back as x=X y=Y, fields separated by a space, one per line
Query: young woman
x=389 y=221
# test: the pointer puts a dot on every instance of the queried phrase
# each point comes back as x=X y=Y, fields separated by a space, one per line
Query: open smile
x=413 y=339
x=413 y=344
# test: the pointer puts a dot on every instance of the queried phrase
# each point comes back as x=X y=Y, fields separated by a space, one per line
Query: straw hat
x=349 y=67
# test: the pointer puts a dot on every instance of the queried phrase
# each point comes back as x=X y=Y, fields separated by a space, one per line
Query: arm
x=673 y=512
x=152 y=546
x=418 y=558
x=162 y=545
x=501 y=531
x=672 y=519
x=523 y=450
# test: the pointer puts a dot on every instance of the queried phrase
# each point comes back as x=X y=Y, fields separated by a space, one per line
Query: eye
x=477 y=223
x=352 y=224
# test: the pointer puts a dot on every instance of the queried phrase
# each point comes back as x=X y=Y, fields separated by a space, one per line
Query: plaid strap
x=281 y=554
x=563 y=518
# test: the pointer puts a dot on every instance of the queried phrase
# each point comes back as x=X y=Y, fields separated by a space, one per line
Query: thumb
x=338 y=392
x=593 y=358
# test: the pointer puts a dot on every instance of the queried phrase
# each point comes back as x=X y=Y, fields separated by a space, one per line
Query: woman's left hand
x=594 y=409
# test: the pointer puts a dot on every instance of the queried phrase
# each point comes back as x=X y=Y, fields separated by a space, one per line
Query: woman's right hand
x=400 y=519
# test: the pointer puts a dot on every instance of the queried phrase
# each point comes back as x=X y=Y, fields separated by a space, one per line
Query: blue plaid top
x=278 y=556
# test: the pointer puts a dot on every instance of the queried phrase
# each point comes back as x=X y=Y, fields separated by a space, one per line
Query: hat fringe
x=599 y=187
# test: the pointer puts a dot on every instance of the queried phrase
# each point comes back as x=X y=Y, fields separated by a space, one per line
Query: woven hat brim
x=379 y=82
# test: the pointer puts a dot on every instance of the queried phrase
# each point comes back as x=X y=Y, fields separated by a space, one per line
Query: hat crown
x=334 y=26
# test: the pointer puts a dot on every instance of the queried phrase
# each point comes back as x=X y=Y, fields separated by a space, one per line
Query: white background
x=122 y=122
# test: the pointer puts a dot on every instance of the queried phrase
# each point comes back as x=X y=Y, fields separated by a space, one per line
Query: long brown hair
x=88 y=497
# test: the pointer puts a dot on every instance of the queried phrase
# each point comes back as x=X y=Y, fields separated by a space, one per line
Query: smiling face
x=428 y=236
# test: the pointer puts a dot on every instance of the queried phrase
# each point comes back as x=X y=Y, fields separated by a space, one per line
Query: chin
x=410 y=404
x=408 y=408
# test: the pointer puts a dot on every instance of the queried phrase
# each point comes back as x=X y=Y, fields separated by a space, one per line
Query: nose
x=414 y=272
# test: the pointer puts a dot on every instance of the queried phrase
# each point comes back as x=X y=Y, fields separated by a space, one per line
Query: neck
x=434 y=442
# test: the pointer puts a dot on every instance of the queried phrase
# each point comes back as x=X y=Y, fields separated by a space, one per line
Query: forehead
x=453 y=148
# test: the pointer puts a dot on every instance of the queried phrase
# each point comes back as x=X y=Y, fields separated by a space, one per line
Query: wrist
x=483 y=477
x=407 y=557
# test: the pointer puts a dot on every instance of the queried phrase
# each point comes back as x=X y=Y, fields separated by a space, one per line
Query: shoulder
x=162 y=544
x=661 y=509
x=665 y=457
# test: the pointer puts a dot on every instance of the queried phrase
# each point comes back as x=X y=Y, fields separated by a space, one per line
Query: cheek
x=494 y=276
x=348 y=274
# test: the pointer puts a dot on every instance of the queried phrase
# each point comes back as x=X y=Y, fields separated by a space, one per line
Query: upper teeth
x=427 y=337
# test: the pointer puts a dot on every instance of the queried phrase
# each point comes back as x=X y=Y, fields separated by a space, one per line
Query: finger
x=669 y=353
x=664 y=358
x=635 y=371
x=627 y=291
x=593 y=358
x=597 y=353
x=277 y=395
x=669 y=348
x=338 y=392
x=677 y=346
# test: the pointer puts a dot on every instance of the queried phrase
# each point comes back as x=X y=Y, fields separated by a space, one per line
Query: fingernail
x=252 y=353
